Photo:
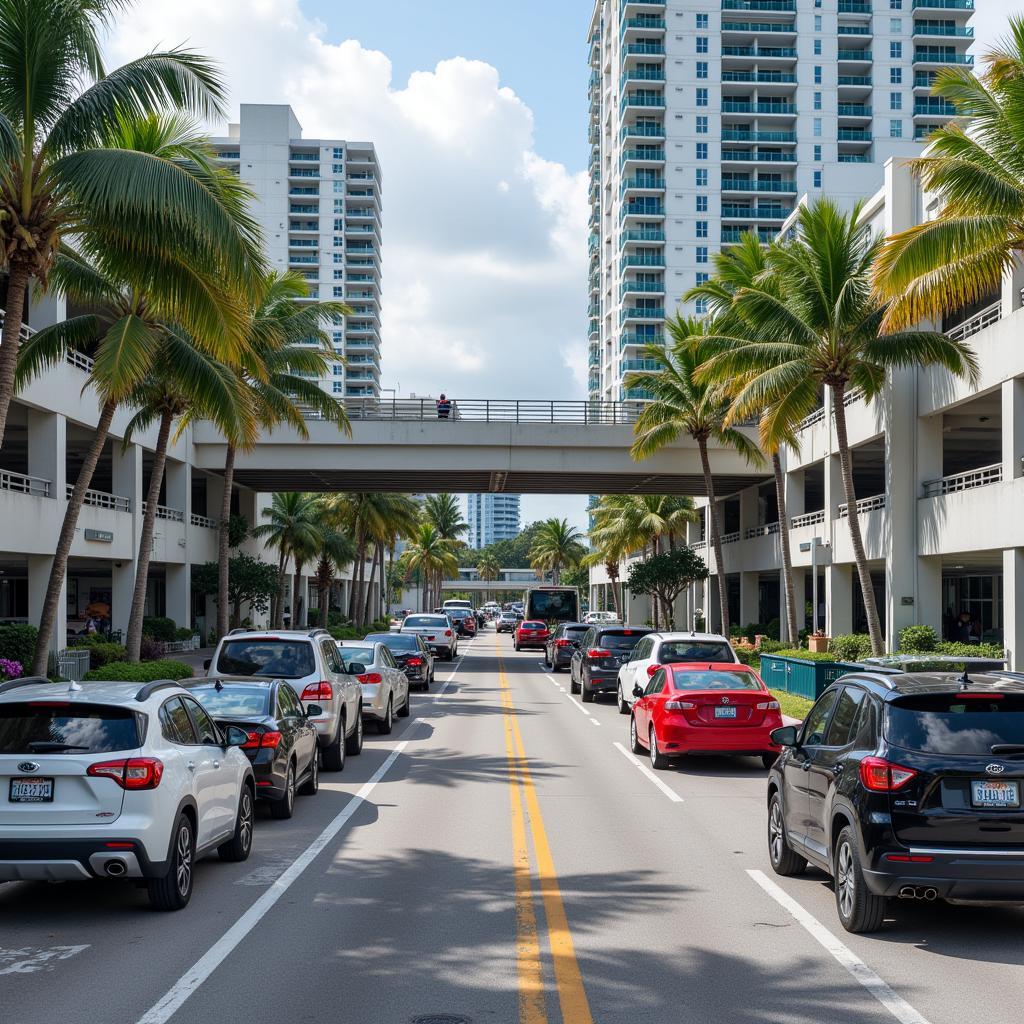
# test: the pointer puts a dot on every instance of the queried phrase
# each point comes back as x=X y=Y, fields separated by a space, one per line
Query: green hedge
x=805 y=655
x=917 y=639
x=143 y=672
x=159 y=627
x=101 y=651
x=962 y=650
x=850 y=646
x=18 y=643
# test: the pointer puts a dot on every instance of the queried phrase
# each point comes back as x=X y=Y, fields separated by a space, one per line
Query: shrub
x=749 y=657
x=917 y=639
x=101 y=654
x=770 y=646
x=805 y=655
x=159 y=627
x=184 y=633
x=9 y=669
x=144 y=672
x=151 y=649
x=18 y=643
x=962 y=650
x=850 y=646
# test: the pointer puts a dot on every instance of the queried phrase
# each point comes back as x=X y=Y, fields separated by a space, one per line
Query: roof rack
x=13 y=684
x=149 y=689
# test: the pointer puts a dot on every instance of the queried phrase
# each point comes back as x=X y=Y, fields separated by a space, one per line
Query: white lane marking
x=32 y=959
x=594 y=721
x=578 y=706
x=666 y=789
x=896 y=1005
x=175 y=997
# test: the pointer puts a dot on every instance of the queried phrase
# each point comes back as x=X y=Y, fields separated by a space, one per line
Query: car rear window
x=283 y=659
x=396 y=641
x=951 y=723
x=534 y=625
x=620 y=641
x=356 y=656
x=428 y=621
x=693 y=650
x=48 y=727
x=688 y=680
x=232 y=701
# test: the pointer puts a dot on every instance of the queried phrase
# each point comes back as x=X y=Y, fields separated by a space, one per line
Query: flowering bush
x=9 y=669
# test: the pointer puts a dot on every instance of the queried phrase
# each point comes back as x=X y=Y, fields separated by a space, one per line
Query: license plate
x=725 y=712
x=992 y=793
x=31 y=791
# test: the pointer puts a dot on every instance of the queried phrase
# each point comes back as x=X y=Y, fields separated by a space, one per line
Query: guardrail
x=731 y=538
x=760 y=531
x=73 y=662
x=23 y=484
x=177 y=646
x=985 y=318
x=808 y=519
x=489 y=410
x=206 y=521
x=863 y=505
x=963 y=481
x=100 y=499
x=175 y=515
x=77 y=359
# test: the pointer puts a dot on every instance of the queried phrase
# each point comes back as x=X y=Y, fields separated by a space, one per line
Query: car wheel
x=860 y=910
x=354 y=743
x=403 y=711
x=238 y=847
x=284 y=807
x=634 y=739
x=623 y=706
x=334 y=755
x=555 y=667
x=312 y=785
x=384 y=724
x=574 y=687
x=784 y=861
x=658 y=759
x=173 y=889
x=769 y=759
x=587 y=696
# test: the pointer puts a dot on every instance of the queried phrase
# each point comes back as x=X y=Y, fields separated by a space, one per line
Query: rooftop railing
x=489 y=410
x=871 y=504
x=24 y=484
x=988 y=316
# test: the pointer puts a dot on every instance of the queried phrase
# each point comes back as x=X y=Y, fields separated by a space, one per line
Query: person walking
x=444 y=407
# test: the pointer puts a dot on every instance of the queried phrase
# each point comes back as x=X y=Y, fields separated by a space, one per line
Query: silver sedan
x=385 y=686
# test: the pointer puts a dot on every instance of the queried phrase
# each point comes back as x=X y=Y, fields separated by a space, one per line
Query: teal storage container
x=804 y=678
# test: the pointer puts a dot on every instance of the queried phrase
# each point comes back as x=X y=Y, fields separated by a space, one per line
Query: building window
x=339 y=225
x=702 y=277
x=702 y=97
x=702 y=124
x=702 y=229
x=817 y=74
x=895 y=76
x=702 y=21
x=702 y=151
x=896 y=51
x=339 y=275
x=817 y=179
x=817 y=153
x=701 y=306
x=817 y=101
x=338 y=387
x=817 y=23
x=702 y=69
x=817 y=127
x=895 y=5
x=702 y=254
x=339 y=293
x=895 y=25
x=339 y=185
x=338 y=153
x=895 y=129
x=702 y=204
x=339 y=371
x=337 y=168
x=895 y=101
x=339 y=205
x=702 y=177
x=702 y=44
x=817 y=47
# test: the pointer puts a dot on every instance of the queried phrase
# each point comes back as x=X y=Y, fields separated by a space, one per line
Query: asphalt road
x=502 y=858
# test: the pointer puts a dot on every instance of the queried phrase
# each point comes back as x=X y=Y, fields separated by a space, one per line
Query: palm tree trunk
x=616 y=596
x=10 y=340
x=279 y=610
x=59 y=569
x=355 y=592
x=787 y=561
x=223 y=549
x=296 y=589
x=367 y=599
x=361 y=575
x=324 y=579
x=867 y=588
x=156 y=479
x=716 y=534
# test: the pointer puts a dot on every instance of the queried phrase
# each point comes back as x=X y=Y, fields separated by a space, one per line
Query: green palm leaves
x=556 y=545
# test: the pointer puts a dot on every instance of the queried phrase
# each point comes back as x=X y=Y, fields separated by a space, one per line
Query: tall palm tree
x=824 y=330
x=63 y=171
x=556 y=544
x=293 y=525
x=683 y=403
x=432 y=556
x=488 y=568
x=396 y=515
x=445 y=514
x=336 y=550
x=975 y=163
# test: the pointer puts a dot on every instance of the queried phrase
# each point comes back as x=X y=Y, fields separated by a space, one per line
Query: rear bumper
x=601 y=682
x=963 y=875
x=537 y=645
x=752 y=741
x=53 y=860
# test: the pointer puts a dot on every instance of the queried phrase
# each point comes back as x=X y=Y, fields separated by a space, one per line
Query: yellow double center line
x=527 y=822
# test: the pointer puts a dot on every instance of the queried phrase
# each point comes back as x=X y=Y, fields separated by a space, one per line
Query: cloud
x=484 y=240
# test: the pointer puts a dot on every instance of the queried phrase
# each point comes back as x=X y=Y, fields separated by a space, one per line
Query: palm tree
x=445 y=514
x=337 y=549
x=432 y=556
x=555 y=545
x=683 y=403
x=63 y=171
x=294 y=525
x=395 y=516
x=488 y=568
x=824 y=330
x=975 y=163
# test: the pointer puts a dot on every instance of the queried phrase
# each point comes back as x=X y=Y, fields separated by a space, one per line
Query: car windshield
x=693 y=650
x=395 y=641
x=426 y=621
x=952 y=723
x=283 y=659
x=684 y=679
x=355 y=656
x=36 y=727
x=233 y=701
x=620 y=641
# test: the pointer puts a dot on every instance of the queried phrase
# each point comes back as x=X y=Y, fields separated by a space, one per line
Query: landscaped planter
x=805 y=678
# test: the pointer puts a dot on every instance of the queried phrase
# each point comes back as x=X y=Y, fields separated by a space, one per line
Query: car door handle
x=216 y=764
x=191 y=766
x=805 y=766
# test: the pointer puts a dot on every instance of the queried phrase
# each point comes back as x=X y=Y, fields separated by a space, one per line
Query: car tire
x=769 y=759
x=312 y=785
x=385 y=724
x=284 y=806
x=587 y=696
x=239 y=846
x=860 y=910
x=334 y=755
x=623 y=706
x=658 y=759
x=173 y=889
x=555 y=667
x=403 y=711
x=634 y=739
x=354 y=743
x=574 y=687
x=783 y=860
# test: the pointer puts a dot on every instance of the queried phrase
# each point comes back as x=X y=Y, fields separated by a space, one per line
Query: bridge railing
x=491 y=410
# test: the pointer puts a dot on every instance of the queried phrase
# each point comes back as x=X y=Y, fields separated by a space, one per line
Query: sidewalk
x=194 y=658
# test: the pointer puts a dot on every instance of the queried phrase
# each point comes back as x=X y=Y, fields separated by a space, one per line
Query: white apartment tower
x=709 y=118
x=318 y=202
x=491 y=517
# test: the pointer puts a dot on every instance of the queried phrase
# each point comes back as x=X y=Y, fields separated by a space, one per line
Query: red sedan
x=721 y=708
x=531 y=634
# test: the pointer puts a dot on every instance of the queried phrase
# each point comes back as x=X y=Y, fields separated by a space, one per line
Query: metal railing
x=815 y=417
x=808 y=519
x=100 y=499
x=699 y=545
x=988 y=316
x=175 y=515
x=965 y=481
x=176 y=646
x=863 y=505
x=73 y=662
x=23 y=484
x=731 y=538
x=77 y=359
x=760 y=531
x=490 y=410
x=205 y=521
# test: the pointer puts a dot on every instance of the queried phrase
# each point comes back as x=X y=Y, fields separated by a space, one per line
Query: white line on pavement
x=667 y=790
x=896 y=1005
x=594 y=721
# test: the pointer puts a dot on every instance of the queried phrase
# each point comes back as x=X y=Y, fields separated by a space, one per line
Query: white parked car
x=309 y=660
x=657 y=649
x=600 y=618
x=118 y=780
x=385 y=685
x=438 y=632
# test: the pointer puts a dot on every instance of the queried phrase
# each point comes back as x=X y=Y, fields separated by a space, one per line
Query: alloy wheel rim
x=775 y=832
x=290 y=788
x=654 y=745
x=632 y=731
x=183 y=870
x=845 y=881
x=245 y=825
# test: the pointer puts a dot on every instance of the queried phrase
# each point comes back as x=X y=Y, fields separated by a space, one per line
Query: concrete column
x=1013 y=428
x=47 y=450
x=902 y=585
x=794 y=494
x=1013 y=607
x=178 y=584
x=712 y=606
x=929 y=592
x=748 y=512
x=799 y=576
x=838 y=599
x=929 y=450
x=127 y=482
x=300 y=615
x=749 y=597
x=834 y=494
x=39 y=567
x=178 y=486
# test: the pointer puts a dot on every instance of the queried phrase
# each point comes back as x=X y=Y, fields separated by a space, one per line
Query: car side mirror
x=207 y=662
x=355 y=669
x=637 y=690
x=314 y=710
x=785 y=737
x=235 y=737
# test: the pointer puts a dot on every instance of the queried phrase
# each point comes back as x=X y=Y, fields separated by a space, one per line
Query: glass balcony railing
x=854 y=110
x=642 y=313
x=853 y=135
x=767 y=77
x=960 y=31
x=641 y=210
x=931 y=56
x=732 y=235
x=855 y=80
x=854 y=7
x=641 y=182
x=628 y=365
x=759 y=5
x=296 y=157
x=855 y=158
x=742 y=135
x=752 y=185
x=755 y=212
x=654 y=262
x=766 y=52
x=749 y=156
x=860 y=56
x=628 y=339
x=642 y=235
x=642 y=100
x=758 y=26
x=930 y=108
x=648 y=153
x=646 y=22
x=304 y=208
x=642 y=75
x=642 y=131
x=643 y=50
x=944 y=5
x=748 y=107
x=641 y=288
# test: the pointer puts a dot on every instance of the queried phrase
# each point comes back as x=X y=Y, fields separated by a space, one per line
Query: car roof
x=891 y=686
x=683 y=635
x=89 y=692
x=708 y=666
x=621 y=628
x=277 y=634
x=263 y=682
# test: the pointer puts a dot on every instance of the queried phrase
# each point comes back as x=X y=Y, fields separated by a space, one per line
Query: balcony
x=642 y=235
x=753 y=185
x=854 y=110
x=985 y=318
x=767 y=530
x=635 y=395
x=785 y=6
x=304 y=172
x=932 y=56
x=296 y=157
x=100 y=499
x=639 y=365
x=934 y=108
x=760 y=52
x=863 y=505
x=305 y=261
x=652 y=153
x=642 y=75
x=944 y=5
x=853 y=135
x=643 y=50
x=641 y=313
x=780 y=77
x=643 y=23
x=730 y=236
x=855 y=56
x=640 y=340
x=855 y=158
x=641 y=210
x=857 y=80
x=742 y=135
x=304 y=208
x=748 y=107
x=652 y=101
x=924 y=28
x=652 y=262
x=808 y=519
x=854 y=7
x=644 y=183
x=754 y=212
x=33 y=485
x=758 y=26
x=642 y=131
x=963 y=481
x=758 y=157
x=641 y=288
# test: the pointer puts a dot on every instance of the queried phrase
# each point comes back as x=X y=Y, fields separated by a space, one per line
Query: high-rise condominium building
x=491 y=517
x=709 y=118
x=318 y=202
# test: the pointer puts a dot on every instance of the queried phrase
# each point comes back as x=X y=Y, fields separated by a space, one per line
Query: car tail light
x=270 y=738
x=769 y=705
x=414 y=662
x=447 y=632
x=119 y=846
x=679 y=705
x=562 y=643
x=318 y=691
x=909 y=858
x=258 y=738
x=979 y=696
x=130 y=773
x=651 y=669
x=881 y=776
x=370 y=678
x=598 y=652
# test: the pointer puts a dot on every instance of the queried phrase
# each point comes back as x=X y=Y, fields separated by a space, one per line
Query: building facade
x=318 y=202
x=709 y=118
x=491 y=517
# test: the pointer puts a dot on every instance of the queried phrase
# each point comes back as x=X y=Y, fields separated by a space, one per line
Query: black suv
x=905 y=784
x=562 y=643
x=595 y=663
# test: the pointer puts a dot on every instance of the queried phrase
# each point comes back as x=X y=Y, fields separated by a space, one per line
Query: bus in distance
x=552 y=604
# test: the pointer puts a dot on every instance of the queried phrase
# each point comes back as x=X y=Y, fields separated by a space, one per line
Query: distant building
x=491 y=517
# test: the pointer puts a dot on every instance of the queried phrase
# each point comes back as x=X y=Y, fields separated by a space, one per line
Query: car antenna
x=218 y=685
x=965 y=680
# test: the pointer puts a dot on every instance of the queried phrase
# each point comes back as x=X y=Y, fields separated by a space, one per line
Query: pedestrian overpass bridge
x=522 y=447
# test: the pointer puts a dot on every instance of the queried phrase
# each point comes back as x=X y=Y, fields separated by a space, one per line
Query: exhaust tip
x=930 y=894
x=907 y=892
x=115 y=868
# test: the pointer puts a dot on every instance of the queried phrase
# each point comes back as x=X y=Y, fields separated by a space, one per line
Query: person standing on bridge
x=444 y=407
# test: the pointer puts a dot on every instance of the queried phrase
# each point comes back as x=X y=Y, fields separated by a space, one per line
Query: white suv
x=114 y=780
x=309 y=660
x=657 y=649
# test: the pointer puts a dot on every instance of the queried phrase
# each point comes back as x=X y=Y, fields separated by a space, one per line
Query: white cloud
x=484 y=240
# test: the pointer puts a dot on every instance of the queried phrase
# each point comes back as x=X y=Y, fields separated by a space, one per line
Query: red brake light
x=370 y=677
x=881 y=776
x=318 y=691
x=270 y=739
x=258 y=739
x=130 y=773
x=447 y=632
x=768 y=705
x=909 y=858
x=598 y=652
x=679 y=705
x=414 y=661
x=979 y=696
x=651 y=669
x=119 y=846
x=562 y=643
